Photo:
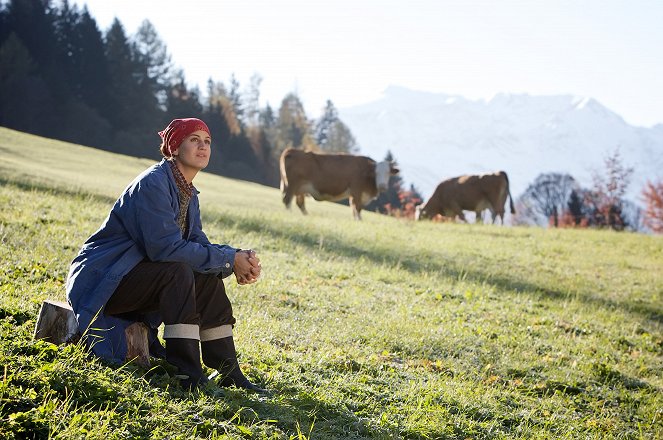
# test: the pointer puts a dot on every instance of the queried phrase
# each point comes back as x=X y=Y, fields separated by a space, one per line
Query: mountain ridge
x=434 y=136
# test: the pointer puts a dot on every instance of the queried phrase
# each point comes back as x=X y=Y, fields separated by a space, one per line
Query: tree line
x=65 y=79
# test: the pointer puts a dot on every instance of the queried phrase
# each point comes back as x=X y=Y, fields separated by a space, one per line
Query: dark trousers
x=180 y=295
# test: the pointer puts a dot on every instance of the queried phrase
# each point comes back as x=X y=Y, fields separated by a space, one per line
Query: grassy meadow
x=377 y=329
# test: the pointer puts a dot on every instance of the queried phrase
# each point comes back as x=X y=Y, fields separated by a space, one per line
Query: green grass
x=376 y=329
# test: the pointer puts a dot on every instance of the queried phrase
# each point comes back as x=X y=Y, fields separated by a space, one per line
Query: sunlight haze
x=350 y=51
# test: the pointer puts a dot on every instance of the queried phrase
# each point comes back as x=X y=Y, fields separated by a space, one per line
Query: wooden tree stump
x=138 y=348
x=57 y=324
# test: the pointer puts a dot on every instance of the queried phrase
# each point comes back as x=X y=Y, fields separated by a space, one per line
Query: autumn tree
x=292 y=128
x=605 y=199
x=236 y=157
x=652 y=195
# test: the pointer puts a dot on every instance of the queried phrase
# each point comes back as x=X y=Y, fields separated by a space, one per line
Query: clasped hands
x=246 y=267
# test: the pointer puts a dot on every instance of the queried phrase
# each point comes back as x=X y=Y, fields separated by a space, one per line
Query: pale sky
x=350 y=51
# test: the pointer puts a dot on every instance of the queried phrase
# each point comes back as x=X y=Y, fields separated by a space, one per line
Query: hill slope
x=373 y=329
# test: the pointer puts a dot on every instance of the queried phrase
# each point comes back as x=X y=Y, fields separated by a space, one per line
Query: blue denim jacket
x=142 y=224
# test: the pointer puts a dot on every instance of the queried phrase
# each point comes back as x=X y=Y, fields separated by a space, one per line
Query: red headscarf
x=177 y=130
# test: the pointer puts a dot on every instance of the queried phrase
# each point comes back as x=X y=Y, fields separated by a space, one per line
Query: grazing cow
x=470 y=193
x=332 y=177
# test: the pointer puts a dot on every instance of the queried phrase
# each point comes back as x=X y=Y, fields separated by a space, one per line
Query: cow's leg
x=501 y=214
x=355 y=203
x=300 y=202
x=461 y=216
x=287 y=197
x=493 y=214
x=478 y=217
x=356 y=212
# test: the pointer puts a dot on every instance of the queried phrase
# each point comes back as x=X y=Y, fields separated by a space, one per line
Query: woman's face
x=194 y=151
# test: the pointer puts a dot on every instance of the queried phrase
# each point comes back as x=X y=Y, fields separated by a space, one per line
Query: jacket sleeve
x=197 y=234
x=154 y=228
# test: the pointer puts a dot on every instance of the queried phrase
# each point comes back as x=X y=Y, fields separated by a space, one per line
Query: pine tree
x=390 y=200
x=121 y=106
x=31 y=21
x=576 y=207
x=80 y=59
x=324 y=125
x=252 y=101
x=133 y=109
x=235 y=98
x=23 y=92
x=155 y=61
x=94 y=75
x=331 y=134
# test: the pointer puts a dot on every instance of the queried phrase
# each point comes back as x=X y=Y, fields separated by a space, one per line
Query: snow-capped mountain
x=436 y=136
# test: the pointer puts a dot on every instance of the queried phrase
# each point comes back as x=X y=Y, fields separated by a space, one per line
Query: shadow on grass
x=448 y=267
x=296 y=412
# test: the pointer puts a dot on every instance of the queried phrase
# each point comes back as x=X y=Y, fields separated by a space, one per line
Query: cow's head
x=421 y=213
x=384 y=170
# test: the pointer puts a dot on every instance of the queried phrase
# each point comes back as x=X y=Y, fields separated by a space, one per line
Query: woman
x=150 y=261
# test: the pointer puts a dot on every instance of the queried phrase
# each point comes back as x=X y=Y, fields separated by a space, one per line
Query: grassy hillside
x=376 y=329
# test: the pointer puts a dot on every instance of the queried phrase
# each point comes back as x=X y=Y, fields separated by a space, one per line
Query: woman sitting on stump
x=150 y=261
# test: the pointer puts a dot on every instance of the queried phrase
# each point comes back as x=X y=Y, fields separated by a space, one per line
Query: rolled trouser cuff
x=220 y=332
x=181 y=331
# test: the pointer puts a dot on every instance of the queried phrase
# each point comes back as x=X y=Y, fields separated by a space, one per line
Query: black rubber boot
x=185 y=355
x=220 y=355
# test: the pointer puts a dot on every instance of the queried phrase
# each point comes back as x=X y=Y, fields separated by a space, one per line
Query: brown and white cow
x=469 y=193
x=332 y=177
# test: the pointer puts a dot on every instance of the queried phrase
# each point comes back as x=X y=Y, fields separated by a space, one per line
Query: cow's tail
x=508 y=191
x=287 y=197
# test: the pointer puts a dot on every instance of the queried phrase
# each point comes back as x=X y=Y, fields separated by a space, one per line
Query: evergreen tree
x=122 y=86
x=576 y=207
x=252 y=101
x=324 y=124
x=82 y=66
x=24 y=95
x=133 y=109
x=31 y=21
x=331 y=134
x=267 y=140
x=390 y=200
x=235 y=98
x=94 y=77
x=267 y=118
x=152 y=55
